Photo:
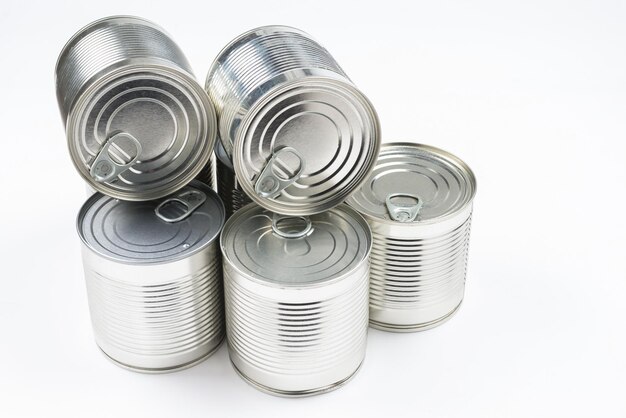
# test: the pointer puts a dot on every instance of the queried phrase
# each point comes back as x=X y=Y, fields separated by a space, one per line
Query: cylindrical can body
x=228 y=187
x=420 y=245
x=154 y=287
x=300 y=135
x=298 y=327
x=138 y=125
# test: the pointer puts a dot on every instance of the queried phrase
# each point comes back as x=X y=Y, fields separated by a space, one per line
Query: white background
x=532 y=95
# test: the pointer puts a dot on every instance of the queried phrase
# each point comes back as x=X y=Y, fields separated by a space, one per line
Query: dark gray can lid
x=157 y=231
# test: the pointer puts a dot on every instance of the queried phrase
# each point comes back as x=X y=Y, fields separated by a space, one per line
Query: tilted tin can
x=296 y=296
x=153 y=275
x=228 y=187
x=138 y=124
x=300 y=135
x=418 y=202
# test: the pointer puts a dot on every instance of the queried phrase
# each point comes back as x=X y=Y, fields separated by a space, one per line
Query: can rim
x=439 y=152
x=201 y=99
x=274 y=285
x=369 y=164
x=147 y=262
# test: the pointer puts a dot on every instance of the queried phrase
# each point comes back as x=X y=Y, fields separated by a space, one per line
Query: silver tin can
x=153 y=275
x=138 y=124
x=296 y=297
x=418 y=202
x=300 y=135
x=228 y=187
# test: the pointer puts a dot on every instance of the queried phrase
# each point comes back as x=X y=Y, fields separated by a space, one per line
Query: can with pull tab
x=153 y=275
x=418 y=202
x=138 y=125
x=301 y=137
x=296 y=296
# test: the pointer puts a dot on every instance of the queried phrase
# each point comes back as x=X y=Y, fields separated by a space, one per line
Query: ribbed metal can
x=300 y=135
x=296 y=297
x=138 y=124
x=228 y=187
x=418 y=202
x=153 y=275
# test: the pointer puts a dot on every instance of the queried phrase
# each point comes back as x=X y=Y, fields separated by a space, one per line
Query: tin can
x=228 y=187
x=418 y=202
x=153 y=275
x=138 y=124
x=296 y=296
x=300 y=135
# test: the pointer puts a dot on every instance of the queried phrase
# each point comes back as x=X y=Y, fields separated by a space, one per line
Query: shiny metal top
x=415 y=183
x=138 y=124
x=295 y=251
x=154 y=231
x=301 y=136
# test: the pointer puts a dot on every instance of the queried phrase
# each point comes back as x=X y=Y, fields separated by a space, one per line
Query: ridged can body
x=300 y=135
x=418 y=267
x=155 y=290
x=290 y=334
x=138 y=124
x=228 y=187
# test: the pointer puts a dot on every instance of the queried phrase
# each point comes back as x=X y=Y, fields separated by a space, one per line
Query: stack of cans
x=316 y=232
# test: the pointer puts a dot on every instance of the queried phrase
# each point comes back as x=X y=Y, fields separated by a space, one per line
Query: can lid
x=155 y=231
x=415 y=183
x=295 y=251
x=141 y=127
x=306 y=146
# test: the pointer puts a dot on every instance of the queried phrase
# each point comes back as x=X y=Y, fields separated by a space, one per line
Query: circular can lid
x=306 y=146
x=140 y=127
x=142 y=133
x=156 y=231
x=415 y=183
x=295 y=251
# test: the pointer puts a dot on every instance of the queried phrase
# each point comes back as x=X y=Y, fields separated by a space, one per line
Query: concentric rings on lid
x=301 y=136
x=153 y=231
x=138 y=125
x=295 y=251
x=415 y=183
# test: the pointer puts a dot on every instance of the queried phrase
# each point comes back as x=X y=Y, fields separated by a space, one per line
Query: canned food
x=138 y=125
x=153 y=277
x=296 y=295
x=418 y=202
x=228 y=187
x=300 y=135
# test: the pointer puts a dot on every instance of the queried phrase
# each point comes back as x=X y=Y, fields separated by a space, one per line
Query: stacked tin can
x=297 y=140
x=139 y=130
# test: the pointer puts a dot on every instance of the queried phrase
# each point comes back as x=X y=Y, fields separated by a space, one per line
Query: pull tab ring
x=270 y=184
x=187 y=200
x=276 y=219
x=104 y=168
x=403 y=212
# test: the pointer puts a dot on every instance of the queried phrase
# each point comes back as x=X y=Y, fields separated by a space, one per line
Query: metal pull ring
x=403 y=212
x=104 y=168
x=270 y=183
x=181 y=206
x=277 y=219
